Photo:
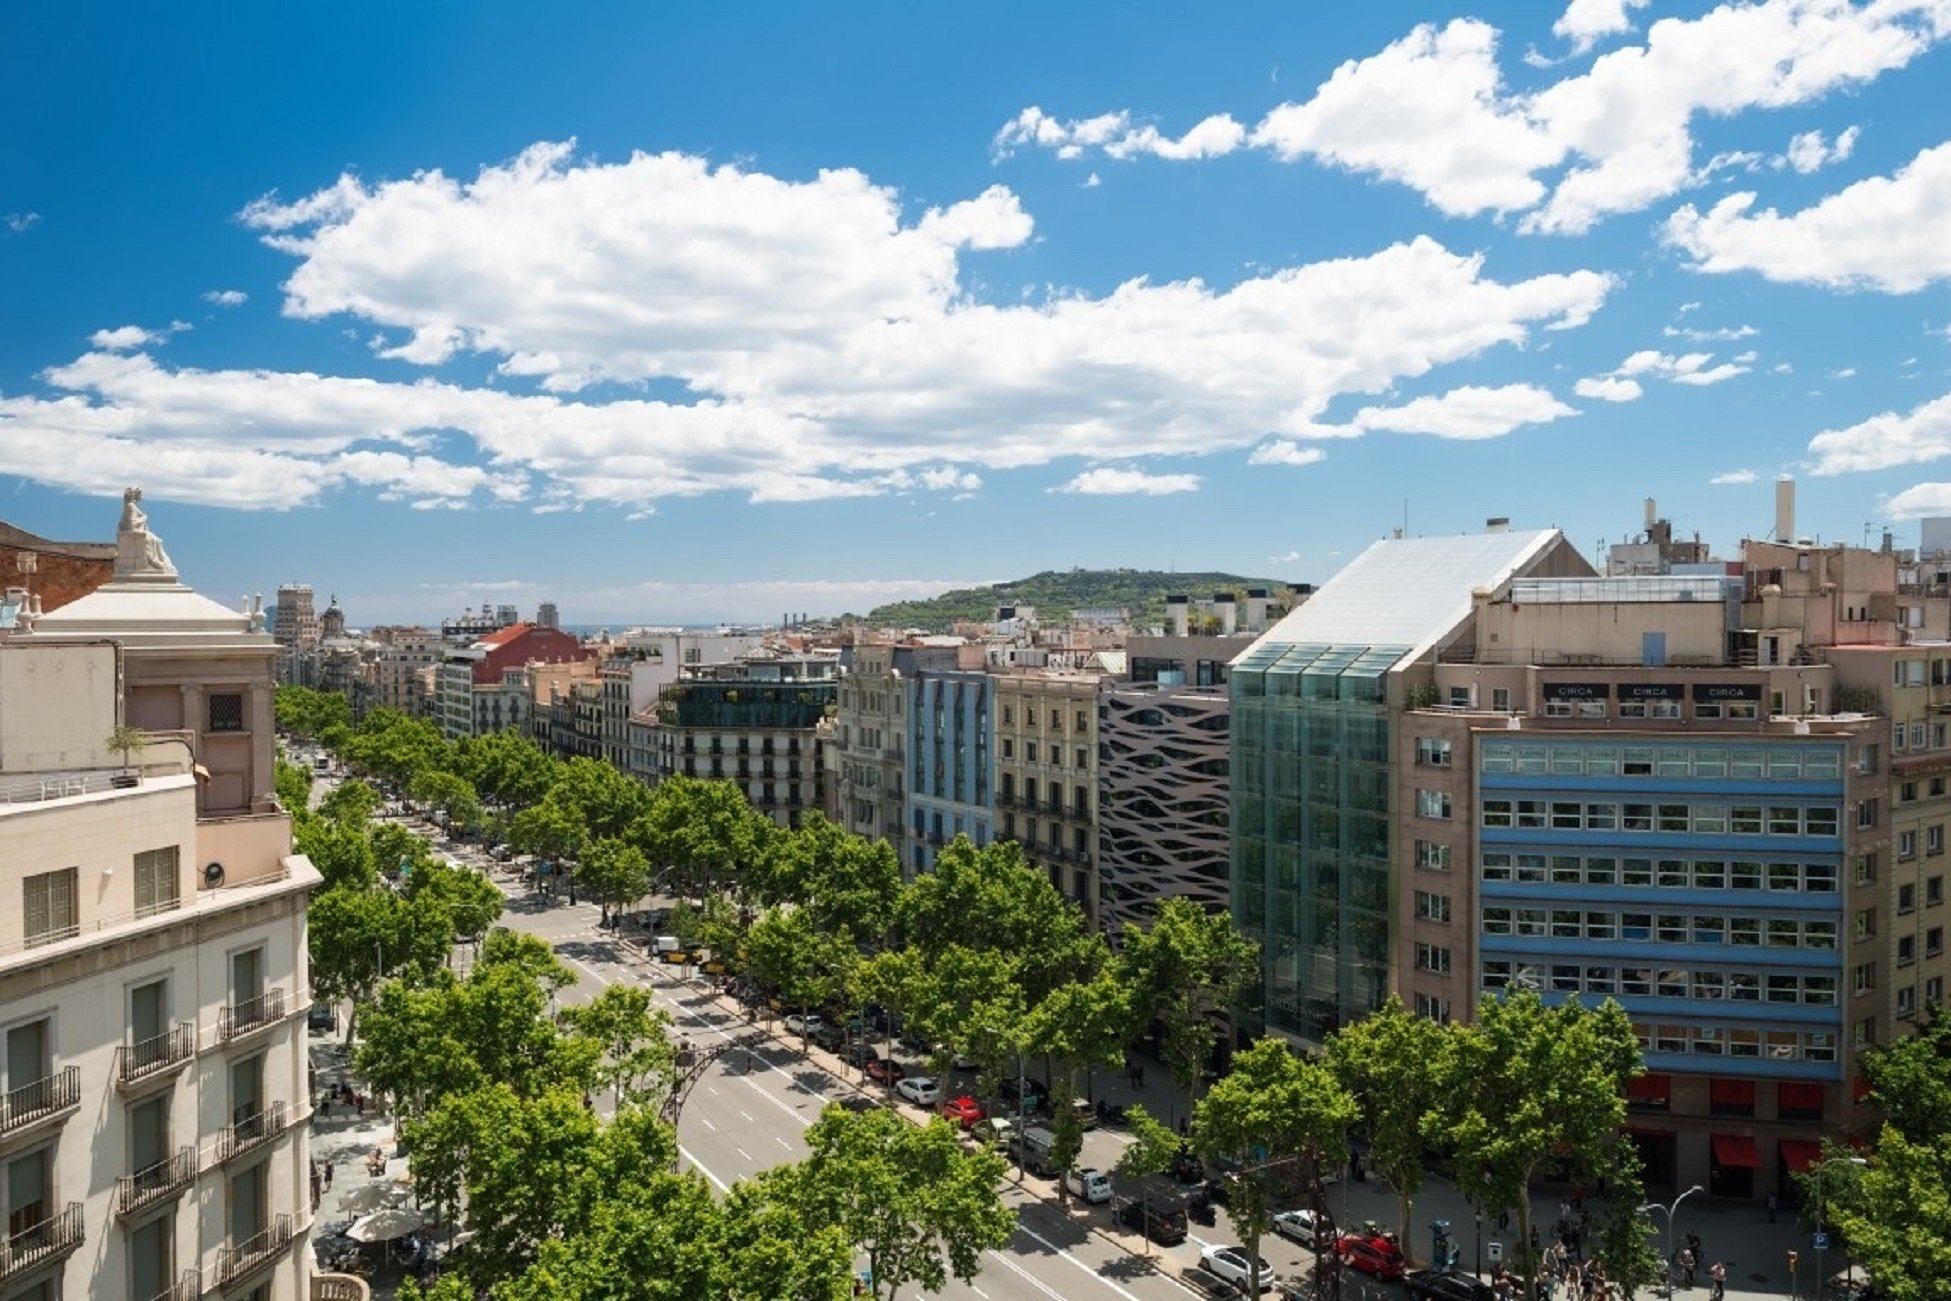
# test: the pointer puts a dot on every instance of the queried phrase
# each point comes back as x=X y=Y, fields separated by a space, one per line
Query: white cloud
x=226 y=297
x=1284 y=451
x=1735 y=477
x=1609 y=388
x=1809 y=151
x=1092 y=181
x=1921 y=500
x=1471 y=412
x=1721 y=335
x=1686 y=368
x=825 y=348
x=1585 y=21
x=1880 y=233
x=20 y=222
x=1921 y=434
x=1284 y=558
x=1431 y=109
x=1107 y=481
x=1847 y=372
x=124 y=337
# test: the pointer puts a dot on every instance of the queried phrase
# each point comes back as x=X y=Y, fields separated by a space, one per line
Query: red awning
x=1798 y=1154
x=1736 y=1150
x=1649 y=1088
x=1731 y=1093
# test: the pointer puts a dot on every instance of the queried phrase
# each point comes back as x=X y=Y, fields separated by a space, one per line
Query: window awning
x=1735 y=1150
x=1798 y=1154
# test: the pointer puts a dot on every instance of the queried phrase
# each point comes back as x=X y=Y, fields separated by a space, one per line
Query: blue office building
x=951 y=732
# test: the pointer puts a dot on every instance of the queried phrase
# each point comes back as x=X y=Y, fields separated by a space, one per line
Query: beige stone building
x=153 y=984
x=1046 y=774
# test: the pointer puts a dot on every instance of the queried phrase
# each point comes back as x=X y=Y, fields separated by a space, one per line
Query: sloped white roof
x=1408 y=592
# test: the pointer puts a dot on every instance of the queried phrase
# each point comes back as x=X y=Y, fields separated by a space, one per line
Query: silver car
x=1094 y=1186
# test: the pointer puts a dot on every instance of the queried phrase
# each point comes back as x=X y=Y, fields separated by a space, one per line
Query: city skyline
x=677 y=317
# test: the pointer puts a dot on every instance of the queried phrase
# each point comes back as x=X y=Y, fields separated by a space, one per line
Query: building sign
x=1651 y=691
x=1727 y=691
x=1577 y=690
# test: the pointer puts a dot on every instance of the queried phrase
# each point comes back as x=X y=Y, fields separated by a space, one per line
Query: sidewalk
x=345 y=1139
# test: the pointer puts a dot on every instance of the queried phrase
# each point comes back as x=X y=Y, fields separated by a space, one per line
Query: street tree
x=1150 y=1153
x=1190 y=968
x=471 y=901
x=605 y=800
x=845 y=882
x=342 y=852
x=1387 y=1063
x=506 y=767
x=706 y=832
x=306 y=713
x=634 y=1037
x=807 y=967
x=1910 y=1078
x=347 y=931
x=1275 y=1109
x=921 y=1207
x=615 y=871
x=1901 y=1226
x=449 y=793
x=350 y=802
x=551 y=830
x=1080 y=1025
x=1527 y=1086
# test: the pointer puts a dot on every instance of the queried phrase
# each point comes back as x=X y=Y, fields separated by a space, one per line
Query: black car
x=1032 y=1094
x=1188 y=1168
x=1437 y=1285
x=321 y=1019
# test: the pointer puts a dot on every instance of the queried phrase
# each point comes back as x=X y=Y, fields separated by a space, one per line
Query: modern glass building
x=950 y=735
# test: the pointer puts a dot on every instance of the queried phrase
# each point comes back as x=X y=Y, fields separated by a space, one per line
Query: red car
x=885 y=1070
x=964 y=1111
x=1376 y=1255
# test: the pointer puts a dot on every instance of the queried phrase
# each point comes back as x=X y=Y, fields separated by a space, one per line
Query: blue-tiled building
x=950 y=738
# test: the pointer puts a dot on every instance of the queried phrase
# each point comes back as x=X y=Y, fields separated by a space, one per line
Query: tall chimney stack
x=1785 y=509
x=1256 y=609
x=1178 y=611
x=1652 y=513
x=1229 y=613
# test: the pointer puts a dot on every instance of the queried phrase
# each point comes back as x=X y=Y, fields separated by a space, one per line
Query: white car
x=803 y=1023
x=1230 y=1263
x=919 y=1089
x=1304 y=1226
x=1094 y=1186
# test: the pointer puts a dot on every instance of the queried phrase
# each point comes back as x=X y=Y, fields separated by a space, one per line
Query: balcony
x=339 y=1287
x=239 y=1264
x=165 y=1054
x=188 y=1287
x=246 y=1135
x=41 y=1244
x=161 y=1182
x=252 y=1015
x=43 y=1102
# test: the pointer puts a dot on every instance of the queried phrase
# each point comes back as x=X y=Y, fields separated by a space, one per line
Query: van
x=1156 y=1209
x=1034 y=1151
x=666 y=944
x=994 y=1131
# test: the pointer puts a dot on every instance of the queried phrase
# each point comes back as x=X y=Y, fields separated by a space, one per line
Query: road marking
x=1063 y=1252
x=782 y=1142
x=979 y=1292
x=742 y=1152
x=1033 y=1280
x=746 y=1116
x=706 y=1122
x=703 y=1169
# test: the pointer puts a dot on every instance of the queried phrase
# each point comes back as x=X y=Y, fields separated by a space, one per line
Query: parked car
x=1436 y=1285
x=1303 y=1226
x=1093 y=1186
x=1187 y=1168
x=830 y=1037
x=1030 y=1093
x=964 y=1111
x=994 y=1131
x=1376 y=1255
x=321 y=1019
x=920 y=1089
x=884 y=1070
x=805 y=1023
x=1158 y=1212
x=1086 y=1114
x=1234 y=1265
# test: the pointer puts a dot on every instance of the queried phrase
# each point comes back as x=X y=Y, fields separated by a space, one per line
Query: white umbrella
x=386 y=1225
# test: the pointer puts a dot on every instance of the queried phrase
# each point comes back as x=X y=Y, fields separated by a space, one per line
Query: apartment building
x=480 y=688
x=153 y=987
x=871 y=725
x=1046 y=775
x=761 y=734
x=403 y=669
x=950 y=736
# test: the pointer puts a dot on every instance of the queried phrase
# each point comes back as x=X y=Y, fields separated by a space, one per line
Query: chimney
x=1229 y=613
x=1785 y=509
x=1652 y=513
x=1177 y=614
x=1498 y=524
x=1256 y=609
x=1889 y=541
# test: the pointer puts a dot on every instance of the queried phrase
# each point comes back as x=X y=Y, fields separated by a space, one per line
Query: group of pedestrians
x=1686 y=1263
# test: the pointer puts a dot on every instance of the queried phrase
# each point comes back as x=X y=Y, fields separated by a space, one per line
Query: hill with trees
x=1054 y=593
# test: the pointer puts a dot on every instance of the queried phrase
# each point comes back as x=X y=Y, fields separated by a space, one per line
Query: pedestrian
x=1686 y=1262
x=1693 y=1245
x=1718 y=1277
x=328 y=1174
x=1773 y=1206
x=359 y=1101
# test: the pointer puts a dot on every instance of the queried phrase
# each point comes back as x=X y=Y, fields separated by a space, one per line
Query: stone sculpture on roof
x=137 y=550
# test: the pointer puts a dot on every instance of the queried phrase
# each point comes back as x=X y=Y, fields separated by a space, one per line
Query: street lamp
x=1669 y=1210
x=1822 y=1236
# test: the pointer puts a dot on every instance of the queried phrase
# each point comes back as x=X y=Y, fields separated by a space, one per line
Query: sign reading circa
x=1727 y=691
x=1576 y=690
x=1651 y=691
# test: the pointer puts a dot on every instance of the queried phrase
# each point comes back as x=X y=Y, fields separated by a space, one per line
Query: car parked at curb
x=1093 y=1186
x=964 y=1111
x=920 y=1089
x=1376 y=1255
x=1305 y=1227
x=884 y=1070
x=1439 y=1285
x=804 y=1023
x=1234 y=1265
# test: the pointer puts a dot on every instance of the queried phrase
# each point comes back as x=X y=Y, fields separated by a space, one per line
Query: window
x=1863 y=978
x=1079 y=758
x=49 y=905
x=1866 y=1032
x=1432 y=907
x=1431 y=957
x=1934 y=839
x=1934 y=942
x=1083 y=722
x=1865 y=868
x=1907 y=1000
x=1432 y=856
x=1433 y=804
x=1906 y=898
x=1009 y=748
x=1500 y=699
x=1934 y=891
x=152 y=1257
x=1432 y=751
x=158 y=883
x=1030 y=751
x=1435 y=1009
x=1865 y=924
x=226 y=712
x=1056 y=720
x=1906 y=844
x=1009 y=714
x=1866 y=814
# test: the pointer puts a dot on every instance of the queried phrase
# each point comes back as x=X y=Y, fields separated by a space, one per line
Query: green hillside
x=1055 y=593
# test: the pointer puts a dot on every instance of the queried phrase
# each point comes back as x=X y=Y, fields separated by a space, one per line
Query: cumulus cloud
x=806 y=341
x=1584 y=22
x=1109 y=481
x=1921 y=434
x=1609 y=388
x=1884 y=232
x=1470 y=412
x=1686 y=368
x=1285 y=451
x=1921 y=500
x=1809 y=151
x=1725 y=333
x=125 y=337
x=1735 y=477
x=19 y=222
x=1431 y=109
x=225 y=297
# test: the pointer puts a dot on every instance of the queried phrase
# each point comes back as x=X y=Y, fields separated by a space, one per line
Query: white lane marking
x=741 y=1151
x=979 y=1292
x=782 y=1142
x=746 y=1116
x=1029 y=1278
x=706 y=1121
x=1063 y=1252
x=703 y=1169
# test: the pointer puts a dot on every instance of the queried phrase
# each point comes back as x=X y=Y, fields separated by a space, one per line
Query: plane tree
x=1387 y=1061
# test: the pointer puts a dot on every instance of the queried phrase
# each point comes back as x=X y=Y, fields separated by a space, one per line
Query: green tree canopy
x=1189 y=967
x=1387 y=1062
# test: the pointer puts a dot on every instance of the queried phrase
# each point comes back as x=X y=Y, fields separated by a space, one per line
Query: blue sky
x=676 y=314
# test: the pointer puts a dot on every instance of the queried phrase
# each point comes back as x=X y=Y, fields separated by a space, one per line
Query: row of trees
x=983 y=958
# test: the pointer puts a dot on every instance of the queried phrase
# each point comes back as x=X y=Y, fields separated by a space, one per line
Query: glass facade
x=1311 y=786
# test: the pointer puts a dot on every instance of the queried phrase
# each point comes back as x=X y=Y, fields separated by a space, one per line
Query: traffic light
x=1792 y=1258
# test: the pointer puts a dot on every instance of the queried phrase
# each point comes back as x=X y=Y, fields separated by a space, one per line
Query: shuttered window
x=49 y=905
x=158 y=885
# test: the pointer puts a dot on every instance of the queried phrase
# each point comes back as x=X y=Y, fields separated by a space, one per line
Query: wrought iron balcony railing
x=40 y=1100
x=145 y=1188
x=267 y=1124
x=253 y=1014
x=41 y=1244
x=156 y=1055
x=235 y=1264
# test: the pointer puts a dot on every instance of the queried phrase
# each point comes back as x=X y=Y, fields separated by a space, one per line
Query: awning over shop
x=1798 y=1154
x=1736 y=1151
x=1649 y=1090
